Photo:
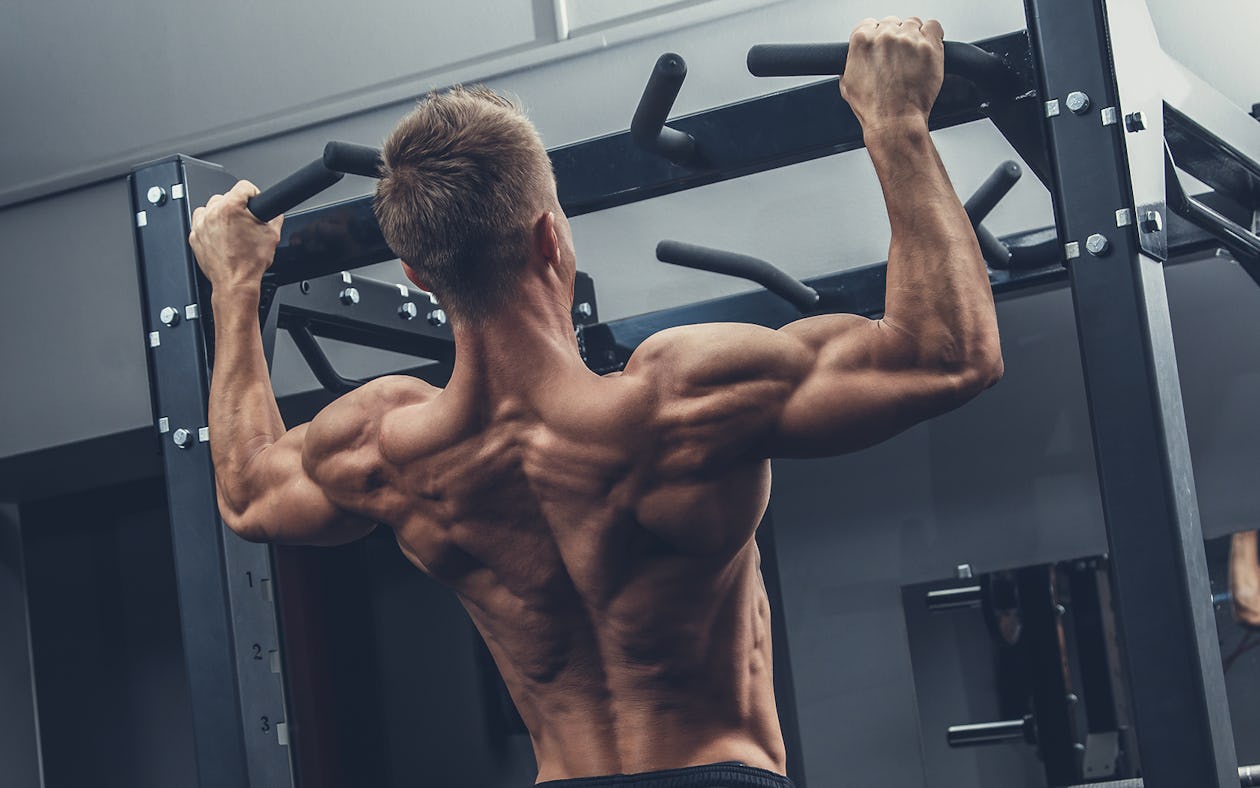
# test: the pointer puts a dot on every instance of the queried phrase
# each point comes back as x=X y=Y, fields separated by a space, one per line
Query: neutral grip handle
x=648 y=125
x=353 y=159
x=293 y=190
x=984 y=69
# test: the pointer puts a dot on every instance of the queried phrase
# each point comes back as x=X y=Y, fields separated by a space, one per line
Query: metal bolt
x=182 y=438
x=1060 y=610
x=1078 y=102
x=408 y=311
x=1097 y=244
x=349 y=296
x=437 y=317
x=963 y=572
x=584 y=309
x=1072 y=699
x=304 y=286
x=1135 y=121
x=156 y=195
x=1152 y=222
x=169 y=315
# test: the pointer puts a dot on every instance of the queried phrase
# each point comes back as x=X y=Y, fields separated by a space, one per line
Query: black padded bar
x=648 y=125
x=293 y=190
x=986 y=71
x=991 y=192
x=743 y=266
x=353 y=159
x=992 y=250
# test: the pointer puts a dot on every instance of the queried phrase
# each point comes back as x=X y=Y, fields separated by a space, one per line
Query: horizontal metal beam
x=759 y=134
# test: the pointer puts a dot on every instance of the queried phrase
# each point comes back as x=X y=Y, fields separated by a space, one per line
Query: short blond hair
x=464 y=177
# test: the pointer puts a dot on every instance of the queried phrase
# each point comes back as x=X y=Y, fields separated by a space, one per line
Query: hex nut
x=349 y=296
x=182 y=438
x=156 y=195
x=437 y=317
x=1097 y=244
x=169 y=315
x=408 y=311
x=1078 y=102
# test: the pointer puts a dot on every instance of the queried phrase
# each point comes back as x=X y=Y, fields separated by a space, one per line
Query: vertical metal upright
x=1103 y=122
x=226 y=599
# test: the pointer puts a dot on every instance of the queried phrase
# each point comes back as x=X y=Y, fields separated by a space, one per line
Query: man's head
x=465 y=197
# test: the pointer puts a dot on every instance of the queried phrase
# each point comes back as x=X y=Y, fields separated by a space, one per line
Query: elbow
x=984 y=368
x=240 y=521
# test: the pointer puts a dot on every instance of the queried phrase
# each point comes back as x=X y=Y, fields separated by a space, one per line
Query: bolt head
x=1152 y=222
x=1097 y=244
x=169 y=315
x=349 y=296
x=408 y=311
x=156 y=195
x=1078 y=102
x=183 y=438
x=437 y=317
x=1135 y=121
x=584 y=309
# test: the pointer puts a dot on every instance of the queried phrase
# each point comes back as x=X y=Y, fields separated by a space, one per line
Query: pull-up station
x=1094 y=109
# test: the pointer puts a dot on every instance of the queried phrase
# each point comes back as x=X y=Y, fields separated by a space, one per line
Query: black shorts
x=716 y=775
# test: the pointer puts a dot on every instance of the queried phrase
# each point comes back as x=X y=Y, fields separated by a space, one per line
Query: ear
x=546 y=241
x=414 y=277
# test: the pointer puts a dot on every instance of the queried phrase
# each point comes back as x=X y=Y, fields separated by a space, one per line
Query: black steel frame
x=1098 y=165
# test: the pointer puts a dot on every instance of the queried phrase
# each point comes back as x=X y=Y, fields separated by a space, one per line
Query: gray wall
x=1009 y=479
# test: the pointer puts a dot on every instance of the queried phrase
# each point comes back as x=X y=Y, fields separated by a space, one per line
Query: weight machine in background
x=1096 y=111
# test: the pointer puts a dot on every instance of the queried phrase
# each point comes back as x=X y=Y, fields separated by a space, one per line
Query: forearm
x=938 y=287
x=244 y=417
x=1244 y=564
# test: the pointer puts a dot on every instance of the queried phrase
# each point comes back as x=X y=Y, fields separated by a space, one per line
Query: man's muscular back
x=601 y=538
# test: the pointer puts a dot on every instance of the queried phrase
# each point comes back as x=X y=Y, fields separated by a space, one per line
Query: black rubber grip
x=984 y=69
x=991 y=192
x=994 y=252
x=743 y=266
x=648 y=125
x=293 y=190
x=353 y=159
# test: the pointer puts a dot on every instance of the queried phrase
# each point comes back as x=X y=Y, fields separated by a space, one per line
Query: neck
x=524 y=345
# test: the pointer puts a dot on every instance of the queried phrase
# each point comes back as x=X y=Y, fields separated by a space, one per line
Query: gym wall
x=1007 y=480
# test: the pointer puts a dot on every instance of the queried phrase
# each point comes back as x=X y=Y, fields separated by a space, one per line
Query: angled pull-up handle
x=985 y=70
x=648 y=126
x=980 y=203
x=339 y=158
x=795 y=292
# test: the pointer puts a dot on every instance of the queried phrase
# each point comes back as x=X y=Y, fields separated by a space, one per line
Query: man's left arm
x=1244 y=578
x=265 y=489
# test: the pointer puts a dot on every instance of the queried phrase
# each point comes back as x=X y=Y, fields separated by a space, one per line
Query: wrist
x=896 y=133
x=236 y=295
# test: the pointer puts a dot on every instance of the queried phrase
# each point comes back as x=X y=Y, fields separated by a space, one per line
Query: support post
x=1144 y=468
x=226 y=601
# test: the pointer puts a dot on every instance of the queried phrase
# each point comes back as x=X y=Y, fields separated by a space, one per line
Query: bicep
x=287 y=505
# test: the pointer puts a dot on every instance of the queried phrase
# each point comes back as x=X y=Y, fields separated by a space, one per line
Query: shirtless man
x=599 y=530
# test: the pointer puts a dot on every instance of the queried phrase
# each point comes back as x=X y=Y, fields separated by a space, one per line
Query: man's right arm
x=836 y=383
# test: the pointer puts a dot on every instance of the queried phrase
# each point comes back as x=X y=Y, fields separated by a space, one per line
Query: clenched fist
x=894 y=70
x=233 y=248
